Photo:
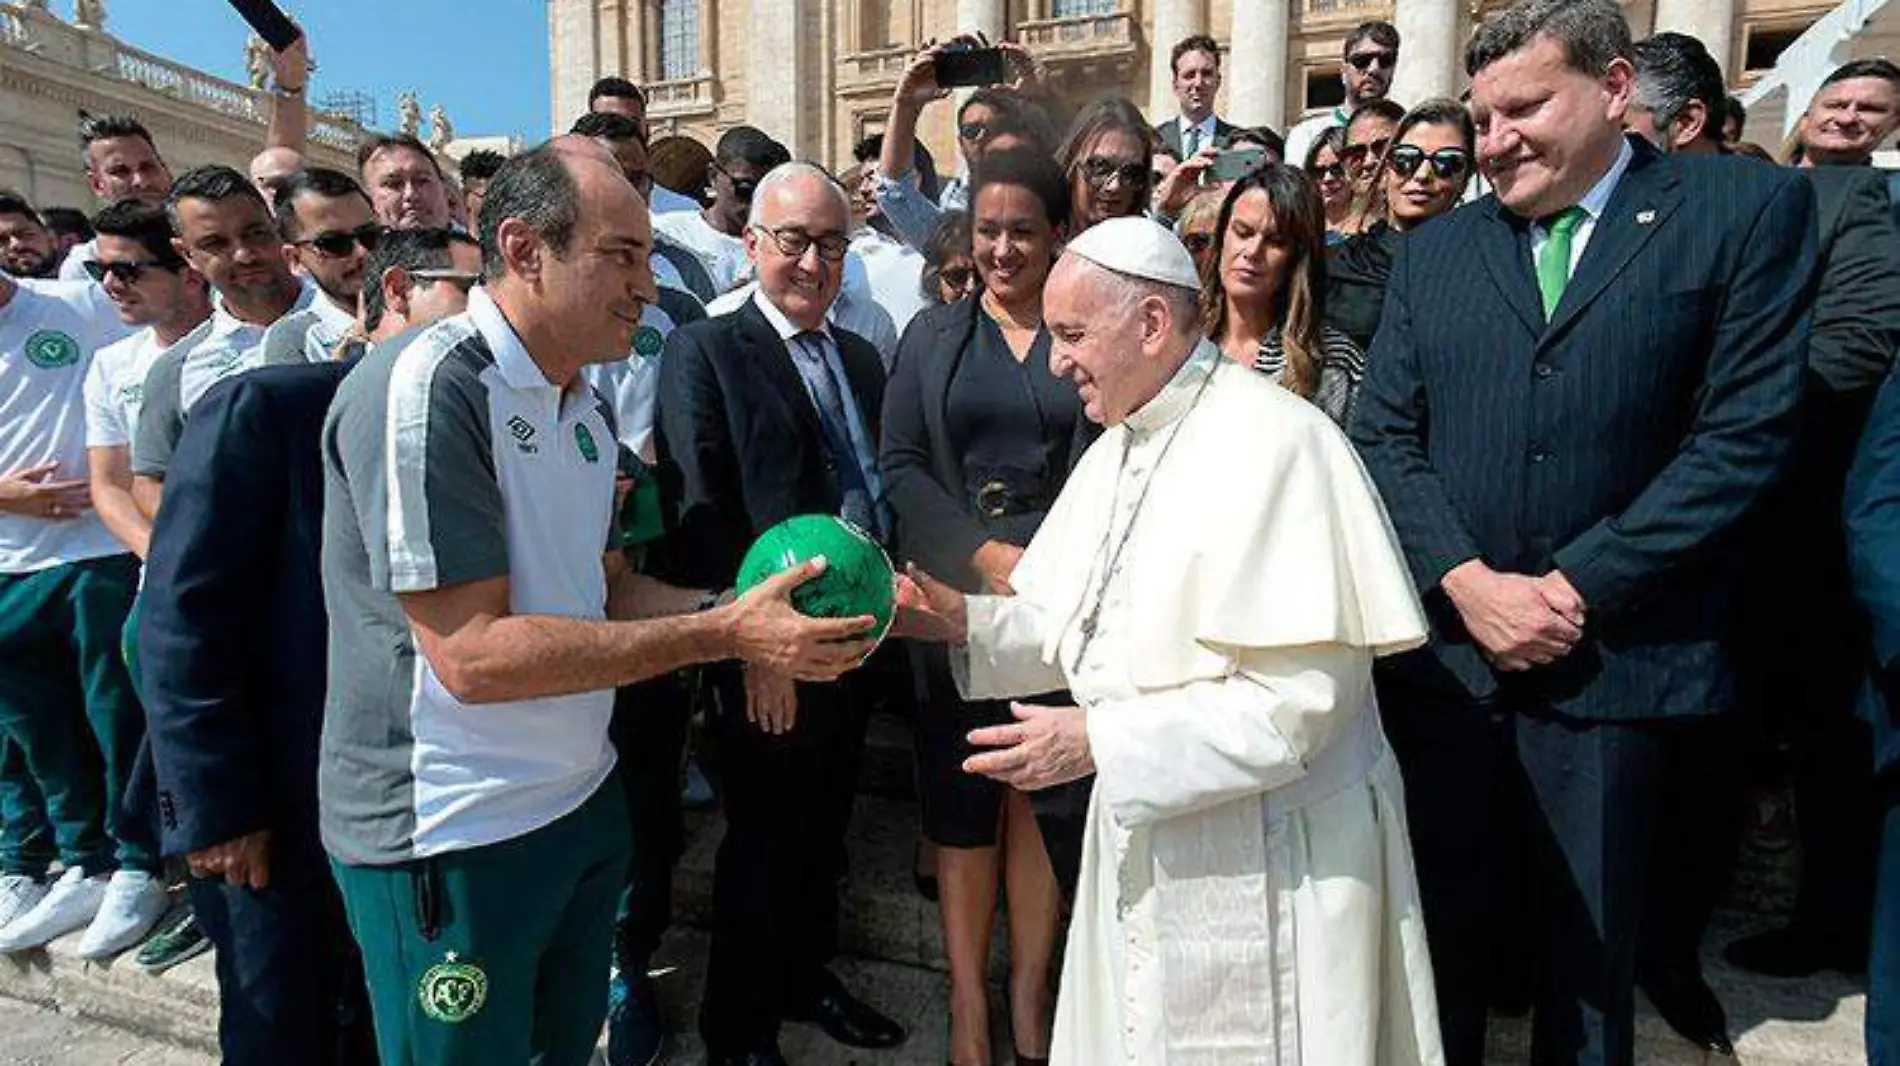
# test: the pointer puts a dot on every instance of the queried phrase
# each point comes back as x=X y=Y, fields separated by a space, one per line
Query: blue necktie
x=859 y=507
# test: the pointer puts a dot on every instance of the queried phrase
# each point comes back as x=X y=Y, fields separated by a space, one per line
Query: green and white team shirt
x=115 y=388
x=447 y=460
x=48 y=334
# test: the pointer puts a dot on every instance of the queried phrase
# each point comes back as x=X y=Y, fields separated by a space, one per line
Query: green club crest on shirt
x=452 y=991
x=584 y=439
x=50 y=349
x=647 y=342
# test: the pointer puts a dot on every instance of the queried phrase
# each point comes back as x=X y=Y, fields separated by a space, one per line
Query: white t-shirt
x=892 y=275
x=723 y=256
x=48 y=335
x=73 y=267
x=115 y=388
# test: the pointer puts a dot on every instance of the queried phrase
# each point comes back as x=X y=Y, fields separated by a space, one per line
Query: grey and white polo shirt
x=447 y=460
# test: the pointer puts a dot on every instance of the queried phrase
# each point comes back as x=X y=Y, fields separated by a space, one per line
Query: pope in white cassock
x=1212 y=585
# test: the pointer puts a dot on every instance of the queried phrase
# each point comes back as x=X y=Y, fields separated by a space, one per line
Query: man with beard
x=27 y=247
x=405 y=183
x=1367 y=64
x=329 y=231
x=122 y=163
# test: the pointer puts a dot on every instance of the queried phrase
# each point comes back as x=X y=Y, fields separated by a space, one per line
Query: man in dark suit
x=765 y=413
x=1579 y=388
x=1196 y=65
x=1873 y=540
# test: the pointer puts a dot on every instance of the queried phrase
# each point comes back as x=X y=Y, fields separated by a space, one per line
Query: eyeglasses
x=1449 y=164
x=795 y=242
x=337 y=245
x=957 y=277
x=1364 y=60
x=127 y=272
x=1336 y=171
x=1099 y=169
x=973 y=131
x=459 y=279
x=1357 y=154
x=742 y=188
x=1197 y=243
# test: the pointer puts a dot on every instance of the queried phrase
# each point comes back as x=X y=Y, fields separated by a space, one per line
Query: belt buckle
x=993 y=499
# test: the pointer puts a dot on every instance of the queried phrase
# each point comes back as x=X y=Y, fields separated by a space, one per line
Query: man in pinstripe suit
x=1580 y=386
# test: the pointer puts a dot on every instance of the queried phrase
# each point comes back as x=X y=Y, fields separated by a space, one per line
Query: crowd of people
x=368 y=543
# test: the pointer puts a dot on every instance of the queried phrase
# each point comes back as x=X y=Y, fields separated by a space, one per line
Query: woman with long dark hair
x=1264 y=299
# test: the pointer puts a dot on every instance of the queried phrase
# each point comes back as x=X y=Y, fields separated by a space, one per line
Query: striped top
x=1342 y=366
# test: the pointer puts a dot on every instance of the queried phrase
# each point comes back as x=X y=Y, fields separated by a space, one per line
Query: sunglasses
x=1198 y=242
x=957 y=277
x=1448 y=163
x=1357 y=154
x=337 y=245
x=1336 y=171
x=127 y=272
x=973 y=131
x=795 y=242
x=742 y=188
x=457 y=278
x=1365 y=60
x=1098 y=170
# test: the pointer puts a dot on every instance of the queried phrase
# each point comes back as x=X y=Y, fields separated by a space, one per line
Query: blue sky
x=486 y=61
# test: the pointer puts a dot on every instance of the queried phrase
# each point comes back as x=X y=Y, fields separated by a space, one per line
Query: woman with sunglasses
x=979 y=436
x=1263 y=302
x=1325 y=163
x=1106 y=157
x=1422 y=175
x=1197 y=229
x=949 y=271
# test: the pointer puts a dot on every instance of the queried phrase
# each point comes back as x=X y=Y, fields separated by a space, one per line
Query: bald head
x=273 y=165
x=1118 y=338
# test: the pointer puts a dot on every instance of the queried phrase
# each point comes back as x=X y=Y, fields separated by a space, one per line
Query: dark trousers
x=1587 y=793
x=1698 y=832
x=290 y=980
x=26 y=834
x=775 y=887
x=1883 y=962
x=649 y=734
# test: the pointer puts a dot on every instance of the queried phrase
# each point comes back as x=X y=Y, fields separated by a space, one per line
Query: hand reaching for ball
x=769 y=632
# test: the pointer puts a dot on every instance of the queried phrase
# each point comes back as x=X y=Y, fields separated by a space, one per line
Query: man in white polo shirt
x=65 y=587
x=481 y=616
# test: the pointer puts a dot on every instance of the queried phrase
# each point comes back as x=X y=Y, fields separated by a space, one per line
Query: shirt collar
x=1177 y=396
x=333 y=318
x=517 y=367
x=780 y=324
x=1597 y=200
x=224 y=323
x=1207 y=126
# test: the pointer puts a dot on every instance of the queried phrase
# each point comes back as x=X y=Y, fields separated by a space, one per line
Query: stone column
x=1710 y=21
x=991 y=17
x=774 y=62
x=611 y=38
x=1430 y=48
x=1174 y=19
x=639 y=67
x=572 y=48
x=1255 y=67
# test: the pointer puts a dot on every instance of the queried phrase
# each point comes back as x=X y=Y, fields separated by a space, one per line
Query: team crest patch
x=584 y=439
x=50 y=349
x=647 y=342
x=453 y=991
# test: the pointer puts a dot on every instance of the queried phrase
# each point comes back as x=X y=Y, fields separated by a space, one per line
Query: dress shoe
x=1689 y=1005
x=848 y=1020
x=1793 y=951
x=750 y=1058
x=636 y=1028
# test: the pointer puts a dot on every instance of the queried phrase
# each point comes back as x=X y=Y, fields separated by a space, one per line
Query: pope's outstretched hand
x=929 y=610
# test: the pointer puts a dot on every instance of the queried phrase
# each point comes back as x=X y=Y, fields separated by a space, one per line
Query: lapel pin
x=1644 y=218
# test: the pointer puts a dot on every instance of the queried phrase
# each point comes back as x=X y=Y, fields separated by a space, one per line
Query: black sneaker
x=178 y=937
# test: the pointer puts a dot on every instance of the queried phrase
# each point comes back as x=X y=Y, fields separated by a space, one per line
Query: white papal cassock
x=1247 y=893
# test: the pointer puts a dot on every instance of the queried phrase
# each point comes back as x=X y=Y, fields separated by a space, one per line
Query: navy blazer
x=232 y=629
x=1873 y=553
x=739 y=444
x=1621 y=442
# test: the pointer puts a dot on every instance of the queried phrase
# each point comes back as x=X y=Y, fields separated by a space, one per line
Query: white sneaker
x=134 y=902
x=18 y=894
x=70 y=904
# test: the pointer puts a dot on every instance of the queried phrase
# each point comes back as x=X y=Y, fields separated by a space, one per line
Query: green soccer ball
x=858 y=578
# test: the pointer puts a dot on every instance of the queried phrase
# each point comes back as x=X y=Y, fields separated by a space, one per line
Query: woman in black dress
x=978 y=438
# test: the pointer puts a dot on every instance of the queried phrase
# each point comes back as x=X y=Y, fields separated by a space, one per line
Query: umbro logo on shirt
x=523 y=432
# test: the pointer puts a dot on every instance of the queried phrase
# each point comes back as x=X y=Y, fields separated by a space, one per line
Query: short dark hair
x=949 y=237
x=1877 y=67
x=1593 y=33
x=1264 y=136
x=108 y=127
x=1733 y=108
x=749 y=144
x=1029 y=170
x=1385 y=109
x=617 y=87
x=410 y=249
x=868 y=148
x=1381 y=33
x=136 y=220
x=1199 y=42
x=68 y=222
x=12 y=203
x=317 y=181
x=381 y=141
x=607 y=126
x=536 y=188
x=1673 y=70
x=213 y=183
x=481 y=164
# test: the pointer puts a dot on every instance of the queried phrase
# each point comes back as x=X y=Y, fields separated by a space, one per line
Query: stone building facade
x=819 y=73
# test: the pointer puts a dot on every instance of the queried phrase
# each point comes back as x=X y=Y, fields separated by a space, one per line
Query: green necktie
x=1553 y=262
x=1190 y=142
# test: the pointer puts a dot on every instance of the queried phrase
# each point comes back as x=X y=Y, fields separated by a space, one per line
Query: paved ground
x=39 y=1036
